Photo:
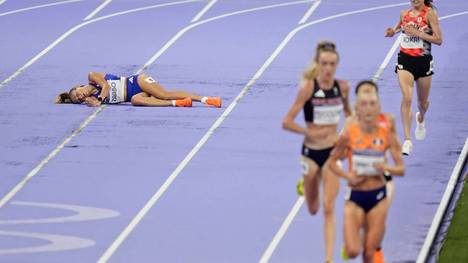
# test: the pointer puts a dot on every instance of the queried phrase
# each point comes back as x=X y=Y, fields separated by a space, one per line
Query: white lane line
x=184 y=30
x=432 y=232
x=99 y=8
x=36 y=169
x=2 y=1
x=424 y=252
x=203 y=11
x=279 y=235
x=282 y=231
x=310 y=11
x=70 y=31
x=387 y=59
x=36 y=7
x=152 y=201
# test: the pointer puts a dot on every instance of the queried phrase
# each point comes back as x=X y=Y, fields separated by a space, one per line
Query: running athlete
x=140 y=90
x=385 y=120
x=365 y=141
x=322 y=98
x=420 y=28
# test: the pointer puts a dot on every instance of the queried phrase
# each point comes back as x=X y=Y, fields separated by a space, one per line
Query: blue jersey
x=122 y=89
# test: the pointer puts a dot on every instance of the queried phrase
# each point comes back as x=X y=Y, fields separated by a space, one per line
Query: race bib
x=117 y=90
x=363 y=165
x=411 y=42
x=326 y=115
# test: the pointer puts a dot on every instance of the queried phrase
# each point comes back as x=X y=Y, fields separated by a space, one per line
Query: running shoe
x=344 y=255
x=300 y=187
x=214 y=101
x=420 y=131
x=407 y=147
x=378 y=256
x=187 y=102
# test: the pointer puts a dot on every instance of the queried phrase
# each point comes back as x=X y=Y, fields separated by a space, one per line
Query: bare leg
x=423 y=87
x=143 y=99
x=353 y=222
x=331 y=185
x=375 y=219
x=406 y=80
x=148 y=85
x=312 y=186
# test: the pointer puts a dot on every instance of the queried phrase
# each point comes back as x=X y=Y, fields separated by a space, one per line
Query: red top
x=413 y=45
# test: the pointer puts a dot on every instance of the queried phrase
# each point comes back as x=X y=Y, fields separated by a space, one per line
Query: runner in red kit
x=420 y=29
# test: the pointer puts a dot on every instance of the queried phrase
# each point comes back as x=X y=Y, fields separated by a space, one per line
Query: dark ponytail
x=428 y=3
x=63 y=98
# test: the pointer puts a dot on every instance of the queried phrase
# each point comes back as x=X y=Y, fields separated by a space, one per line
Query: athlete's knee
x=406 y=99
x=136 y=100
x=329 y=207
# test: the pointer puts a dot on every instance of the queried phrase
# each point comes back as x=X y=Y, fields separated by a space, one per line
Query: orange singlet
x=367 y=149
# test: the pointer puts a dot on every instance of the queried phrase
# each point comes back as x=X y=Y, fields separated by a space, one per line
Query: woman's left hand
x=411 y=30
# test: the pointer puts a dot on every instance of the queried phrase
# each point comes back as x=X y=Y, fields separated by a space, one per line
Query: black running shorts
x=419 y=67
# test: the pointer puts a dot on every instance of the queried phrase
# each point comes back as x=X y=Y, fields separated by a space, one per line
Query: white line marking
x=81 y=213
x=385 y=62
x=310 y=11
x=424 y=252
x=443 y=205
x=70 y=31
x=152 y=201
x=55 y=243
x=184 y=30
x=2 y=1
x=34 y=171
x=99 y=8
x=203 y=11
x=282 y=231
x=37 y=7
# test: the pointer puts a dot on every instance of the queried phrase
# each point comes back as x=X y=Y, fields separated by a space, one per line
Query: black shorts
x=367 y=199
x=318 y=156
x=419 y=67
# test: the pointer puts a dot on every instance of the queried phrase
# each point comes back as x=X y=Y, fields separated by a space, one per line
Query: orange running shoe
x=378 y=256
x=214 y=101
x=187 y=102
